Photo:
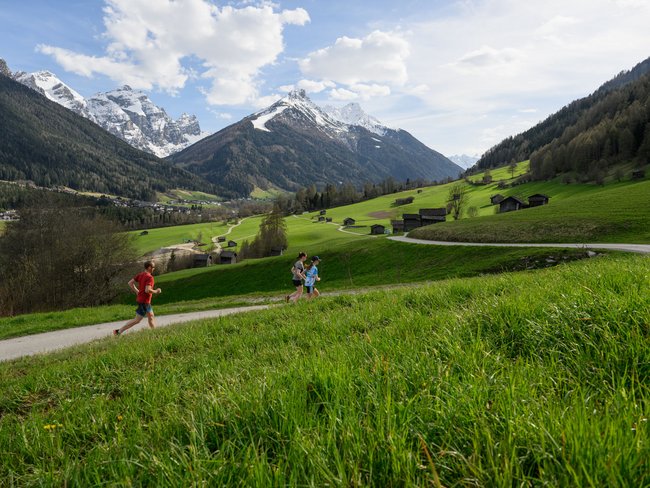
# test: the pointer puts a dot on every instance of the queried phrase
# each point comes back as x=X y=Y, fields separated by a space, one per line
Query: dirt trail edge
x=60 y=339
x=638 y=248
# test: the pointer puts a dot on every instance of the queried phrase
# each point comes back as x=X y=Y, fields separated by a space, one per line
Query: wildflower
x=119 y=418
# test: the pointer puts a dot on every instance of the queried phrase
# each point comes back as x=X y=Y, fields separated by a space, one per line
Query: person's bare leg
x=316 y=293
x=130 y=324
x=152 y=321
x=296 y=295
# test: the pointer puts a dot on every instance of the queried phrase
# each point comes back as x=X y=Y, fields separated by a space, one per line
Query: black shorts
x=297 y=282
x=310 y=289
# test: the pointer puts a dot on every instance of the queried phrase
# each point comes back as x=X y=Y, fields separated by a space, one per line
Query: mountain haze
x=294 y=143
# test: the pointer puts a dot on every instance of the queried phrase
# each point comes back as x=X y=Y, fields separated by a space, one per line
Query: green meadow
x=535 y=378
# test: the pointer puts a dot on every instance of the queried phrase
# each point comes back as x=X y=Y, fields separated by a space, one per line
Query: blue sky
x=459 y=75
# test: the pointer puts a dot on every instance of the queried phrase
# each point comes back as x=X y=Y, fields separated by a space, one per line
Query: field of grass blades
x=536 y=378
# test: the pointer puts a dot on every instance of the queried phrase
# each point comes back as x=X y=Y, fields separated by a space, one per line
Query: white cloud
x=485 y=60
x=149 y=41
x=378 y=58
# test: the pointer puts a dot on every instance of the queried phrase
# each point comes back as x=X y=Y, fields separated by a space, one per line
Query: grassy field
x=359 y=264
x=179 y=194
x=527 y=379
x=618 y=212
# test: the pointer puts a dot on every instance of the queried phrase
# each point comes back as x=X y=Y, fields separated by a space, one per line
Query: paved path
x=638 y=248
x=59 y=339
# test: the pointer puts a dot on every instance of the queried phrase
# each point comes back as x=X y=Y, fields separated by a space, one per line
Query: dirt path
x=638 y=248
x=60 y=339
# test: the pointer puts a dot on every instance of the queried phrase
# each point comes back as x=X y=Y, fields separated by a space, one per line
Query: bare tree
x=60 y=257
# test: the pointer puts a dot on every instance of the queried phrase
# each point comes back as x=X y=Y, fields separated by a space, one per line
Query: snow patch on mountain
x=353 y=114
x=260 y=122
x=126 y=113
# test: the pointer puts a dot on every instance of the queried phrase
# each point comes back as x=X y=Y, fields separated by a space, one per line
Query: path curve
x=60 y=339
x=637 y=248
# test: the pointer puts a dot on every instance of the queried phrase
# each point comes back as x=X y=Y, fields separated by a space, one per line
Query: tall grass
x=525 y=379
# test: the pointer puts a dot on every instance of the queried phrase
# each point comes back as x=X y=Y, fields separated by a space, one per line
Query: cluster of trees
x=59 y=256
x=615 y=130
x=272 y=234
x=587 y=136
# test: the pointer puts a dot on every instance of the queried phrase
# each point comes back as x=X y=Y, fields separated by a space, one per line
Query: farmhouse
x=432 y=215
x=510 y=204
x=323 y=212
x=349 y=221
x=411 y=221
x=377 y=229
x=398 y=226
x=537 y=200
x=638 y=174
x=496 y=199
x=202 y=260
x=321 y=219
x=221 y=239
x=228 y=257
x=232 y=244
x=328 y=219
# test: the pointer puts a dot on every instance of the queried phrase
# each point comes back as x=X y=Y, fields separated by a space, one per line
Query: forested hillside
x=589 y=134
x=52 y=146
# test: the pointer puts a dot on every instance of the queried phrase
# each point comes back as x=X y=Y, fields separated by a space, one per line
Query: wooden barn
x=321 y=219
x=496 y=199
x=227 y=257
x=411 y=221
x=349 y=221
x=221 y=239
x=277 y=251
x=398 y=226
x=511 y=204
x=430 y=216
x=377 y=229
x=328 y=219
x=322 y=212
x=537 y=200
x=202 y=260
x=232 y=244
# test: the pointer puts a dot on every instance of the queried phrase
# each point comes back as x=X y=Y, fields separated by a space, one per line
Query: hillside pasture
x=523 y=379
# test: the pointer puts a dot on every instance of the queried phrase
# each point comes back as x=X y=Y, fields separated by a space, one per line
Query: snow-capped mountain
x=128 y=114
x=294 y=143
x=353 y=114
x=463 y=160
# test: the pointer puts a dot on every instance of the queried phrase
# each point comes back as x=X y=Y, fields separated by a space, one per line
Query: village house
x=227 y=257
x=322 y=212
x=537 y=200
x=432 y=215
x=232 y=244
x=411 y=221
x=202 y=260
x=496 y=199
x=349 y=221
x=328 y=219
x=398 y=226
x=221 y=239
x=377 y=229
x=510 y=204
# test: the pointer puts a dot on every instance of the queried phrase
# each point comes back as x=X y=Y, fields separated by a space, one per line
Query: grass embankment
x=619 y=212
x=537 y=378
x=359 y=264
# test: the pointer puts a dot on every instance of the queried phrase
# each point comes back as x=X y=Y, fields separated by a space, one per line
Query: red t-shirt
x=143 y=279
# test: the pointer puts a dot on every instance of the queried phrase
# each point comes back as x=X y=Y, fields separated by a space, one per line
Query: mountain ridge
x=293 y=143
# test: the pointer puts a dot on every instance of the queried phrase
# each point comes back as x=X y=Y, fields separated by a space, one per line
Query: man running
x=144 y=292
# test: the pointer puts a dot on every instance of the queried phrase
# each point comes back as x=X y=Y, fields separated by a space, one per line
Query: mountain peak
x=353 y=114
x=4 y=69
x=299 y=94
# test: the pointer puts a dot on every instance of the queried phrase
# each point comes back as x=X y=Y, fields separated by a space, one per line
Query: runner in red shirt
x=144 y=291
